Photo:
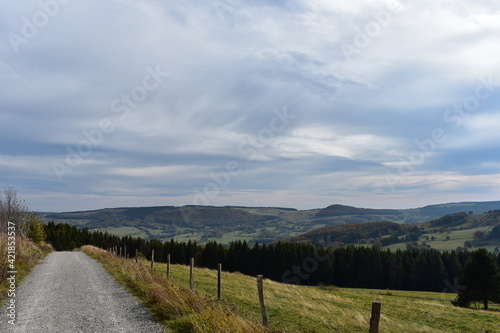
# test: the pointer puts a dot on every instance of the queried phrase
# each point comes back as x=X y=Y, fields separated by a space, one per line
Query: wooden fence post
x=219 y=281
x=375 y=319
x=136 y=260
x=168 y=266
x=191 y=266
x=125 y=252
x=152 y=258
x=120 y=251
x=260 y=288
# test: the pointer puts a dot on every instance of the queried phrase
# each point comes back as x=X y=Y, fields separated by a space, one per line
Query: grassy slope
x=313 y=309
x=458 y=238
x=457 y=234
x=28 y=254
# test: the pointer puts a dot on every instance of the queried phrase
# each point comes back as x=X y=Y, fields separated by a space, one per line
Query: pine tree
x=36 y=232
x=481 y=278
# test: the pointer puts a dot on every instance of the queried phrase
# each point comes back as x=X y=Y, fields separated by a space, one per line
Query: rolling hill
x=449 y=232
x=253 y=224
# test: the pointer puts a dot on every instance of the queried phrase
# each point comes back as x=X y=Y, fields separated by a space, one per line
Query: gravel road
x=71 y=292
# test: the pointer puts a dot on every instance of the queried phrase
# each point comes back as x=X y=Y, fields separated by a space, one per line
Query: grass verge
x=179 y=309
x=27 y=255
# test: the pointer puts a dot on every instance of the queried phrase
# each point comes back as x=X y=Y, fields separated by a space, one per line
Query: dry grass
x=177 y=307
x=314 y=309
x=27 y=253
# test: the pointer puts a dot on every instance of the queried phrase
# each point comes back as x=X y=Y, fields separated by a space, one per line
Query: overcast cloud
x=259 y=103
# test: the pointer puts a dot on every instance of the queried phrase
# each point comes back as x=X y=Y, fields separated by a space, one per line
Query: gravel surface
x=71 y=292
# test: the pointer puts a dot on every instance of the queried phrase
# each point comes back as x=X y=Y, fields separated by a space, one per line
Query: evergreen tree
x=481 y=279
x=36 y=231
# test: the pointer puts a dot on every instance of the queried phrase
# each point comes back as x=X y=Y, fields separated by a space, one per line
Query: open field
x=126 y=231
x=456 y=238
x=445 y=298
x=294 y=308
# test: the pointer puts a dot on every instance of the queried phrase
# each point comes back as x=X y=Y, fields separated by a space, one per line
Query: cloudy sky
x=294 y=103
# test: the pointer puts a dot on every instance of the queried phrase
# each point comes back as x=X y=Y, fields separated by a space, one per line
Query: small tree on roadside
x=36 y=233
x=481 y=278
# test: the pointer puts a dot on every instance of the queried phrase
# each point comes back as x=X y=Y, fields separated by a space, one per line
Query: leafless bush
x=12 y=209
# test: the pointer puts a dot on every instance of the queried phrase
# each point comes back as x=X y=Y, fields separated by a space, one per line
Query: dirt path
x=71 y=292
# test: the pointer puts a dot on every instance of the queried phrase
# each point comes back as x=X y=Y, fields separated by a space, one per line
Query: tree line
x=296 y=263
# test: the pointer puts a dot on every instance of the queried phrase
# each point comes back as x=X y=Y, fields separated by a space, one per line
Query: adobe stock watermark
x=248 y=150
x=298 y=273
x=226 y=10
x=371 y=30
x=11 y=273
x=32 y=25
x=454 y=117
x=121 y=107
x=454 y=288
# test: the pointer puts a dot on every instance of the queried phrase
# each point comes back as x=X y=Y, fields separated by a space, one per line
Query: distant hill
x=340 y=214
x=360 y=215
x=341 y=210
x=449 y=232
x=436 y=211
x=253 y=224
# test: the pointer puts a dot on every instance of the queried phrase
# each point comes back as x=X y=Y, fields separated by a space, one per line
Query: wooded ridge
x=253 y=224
